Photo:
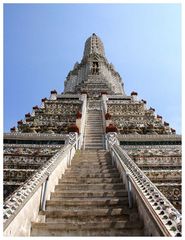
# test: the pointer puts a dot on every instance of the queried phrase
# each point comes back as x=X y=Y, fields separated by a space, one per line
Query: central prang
x=94 y=75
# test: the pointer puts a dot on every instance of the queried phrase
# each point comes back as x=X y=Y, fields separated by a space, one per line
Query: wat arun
x=92 y=161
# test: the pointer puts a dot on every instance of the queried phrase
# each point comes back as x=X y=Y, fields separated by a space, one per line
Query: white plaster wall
x=21 y=224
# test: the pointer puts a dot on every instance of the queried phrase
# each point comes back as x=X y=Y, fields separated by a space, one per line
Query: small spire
x=94 y=45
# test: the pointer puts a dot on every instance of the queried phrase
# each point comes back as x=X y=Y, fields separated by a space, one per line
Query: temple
x=92 y=161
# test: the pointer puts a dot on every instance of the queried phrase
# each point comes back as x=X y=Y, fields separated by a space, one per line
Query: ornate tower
x=94 y=74
x=92 y=161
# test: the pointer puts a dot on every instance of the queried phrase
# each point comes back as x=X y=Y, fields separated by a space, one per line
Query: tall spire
x=93 y=45
x=94 y=74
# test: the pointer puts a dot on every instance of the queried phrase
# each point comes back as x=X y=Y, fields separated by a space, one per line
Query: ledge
x=133 y=137
x=35 y=136
x=118 y=97
x=75 y=96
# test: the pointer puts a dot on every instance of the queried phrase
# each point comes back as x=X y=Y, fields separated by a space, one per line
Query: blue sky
x=42 y=42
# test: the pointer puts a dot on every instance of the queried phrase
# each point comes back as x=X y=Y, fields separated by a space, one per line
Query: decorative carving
x=132 y=117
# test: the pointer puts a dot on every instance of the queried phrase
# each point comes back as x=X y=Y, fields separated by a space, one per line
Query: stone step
x=94 y=144
x=92 y=132
x=97 y=113
x=100 y=186
x=58 y=216
x=93 y=147
x=119 y=224
x=87 y=210
x=94 y=156
x=92 y=164
x=93 y=124
x=94 y=120
x=90 y=180
x=94 y=117
x=90 y=124
x=94 y=112
x=98 y=132
x=102 y=152
x=92 y=194
x=97 y=153
x=89 y=175
x=92 y=140
x=93 y=175
x=89 y=146
x=92 y=153
x=93 y=127
x=84 y=168
x=89 y=170
x=98 y=229
x=93 y=160
x=94 y=137
x=95 y=133
x=100 y=136
x=89 y=139
x=93 y=202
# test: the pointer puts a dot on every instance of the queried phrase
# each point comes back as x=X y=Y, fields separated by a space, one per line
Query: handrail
x=103 y=111
x=103 y=108
x=83 y=120
x=168 y=219
x=19 y=198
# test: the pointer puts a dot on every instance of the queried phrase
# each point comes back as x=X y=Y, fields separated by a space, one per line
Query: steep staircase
x=94 y=133
x=89 y=200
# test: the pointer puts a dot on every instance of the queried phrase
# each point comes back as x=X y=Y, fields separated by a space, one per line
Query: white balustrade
x=159 y=215
x=22 y=207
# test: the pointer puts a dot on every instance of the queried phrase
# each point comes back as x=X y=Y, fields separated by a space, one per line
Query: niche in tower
x=95 y=68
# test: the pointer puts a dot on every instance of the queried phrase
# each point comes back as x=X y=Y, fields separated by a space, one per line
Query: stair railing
x=158 y=214
x=83 y=121
x=104 y=110
x=23 y=205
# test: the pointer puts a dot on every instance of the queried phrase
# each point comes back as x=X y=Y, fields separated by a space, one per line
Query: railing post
x=113 y=156
x=69 y=159
x=130 y=203
x=43 y=194
x=106 y=142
